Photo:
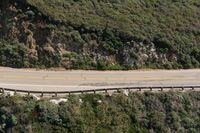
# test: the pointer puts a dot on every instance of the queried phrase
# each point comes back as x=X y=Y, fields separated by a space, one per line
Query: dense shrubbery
x=139 y=112
x=13 y=54
x=127 y=34
x=171 y=25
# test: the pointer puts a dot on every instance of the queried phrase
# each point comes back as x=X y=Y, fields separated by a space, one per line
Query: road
x=27 y=79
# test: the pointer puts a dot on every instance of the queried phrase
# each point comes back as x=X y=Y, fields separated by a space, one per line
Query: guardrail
x=105 y=90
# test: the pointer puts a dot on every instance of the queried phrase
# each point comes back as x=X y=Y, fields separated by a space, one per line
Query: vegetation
x=147 y=112
x=126 y=34
x=13 y=54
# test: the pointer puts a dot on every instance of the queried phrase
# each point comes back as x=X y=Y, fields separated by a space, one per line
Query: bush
x=13 y=54
x=138 y=112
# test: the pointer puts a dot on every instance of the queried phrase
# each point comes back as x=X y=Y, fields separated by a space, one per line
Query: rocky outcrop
x=48 y=42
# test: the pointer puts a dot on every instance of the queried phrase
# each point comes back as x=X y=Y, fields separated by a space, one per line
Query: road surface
x=24 y=79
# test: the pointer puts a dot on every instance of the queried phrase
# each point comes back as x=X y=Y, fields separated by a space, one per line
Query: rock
x=174 y=58
x=33 y=53
x=125 y=92
x=153 y=50
x=80 y=101
x=35 y=97
x=109 y=93
x=143 y=58
x=30 y=41
x=15 y=18
x=57 y=101
x=31 y=44
x=9 y=94
x=50 y=49
x=59 y=45
x=99 y=101
x=163 y=58
x=153 y=55
x=63 y=100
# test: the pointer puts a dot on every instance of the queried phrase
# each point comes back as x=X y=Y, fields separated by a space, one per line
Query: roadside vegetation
x=147 y=112
x=13 y=54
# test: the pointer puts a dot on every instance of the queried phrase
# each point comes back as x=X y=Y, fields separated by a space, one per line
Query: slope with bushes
x=107 y=34
x=167 y=112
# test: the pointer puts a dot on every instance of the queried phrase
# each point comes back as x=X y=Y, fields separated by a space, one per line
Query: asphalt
x=30 y=79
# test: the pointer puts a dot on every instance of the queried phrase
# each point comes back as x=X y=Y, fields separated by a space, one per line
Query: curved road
x=24 y=79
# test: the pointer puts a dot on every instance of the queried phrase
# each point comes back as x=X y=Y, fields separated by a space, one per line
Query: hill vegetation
x=106 y=34
x=167 y=112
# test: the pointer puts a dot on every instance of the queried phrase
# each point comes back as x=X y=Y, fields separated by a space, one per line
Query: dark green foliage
x=139 y=112
x=13 y=54
x=163 y=44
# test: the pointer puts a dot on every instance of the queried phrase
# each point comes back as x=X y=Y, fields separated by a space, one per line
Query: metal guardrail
x=106 y=90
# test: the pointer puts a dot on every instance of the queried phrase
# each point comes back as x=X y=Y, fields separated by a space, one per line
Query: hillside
x=169 y=112
x=93 y=34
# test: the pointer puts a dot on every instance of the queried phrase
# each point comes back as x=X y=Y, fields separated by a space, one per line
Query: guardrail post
x=69 y=93
x=193 y=88
x=182 y=88
x=56 y=94
x=172 y=88
x=3 y=91
x=140 y=89
x=151 y=89
x=94 y=91
x=161 y=88
x=28 y=93
x=106 y=91
x=15 y=92
x=42 y=94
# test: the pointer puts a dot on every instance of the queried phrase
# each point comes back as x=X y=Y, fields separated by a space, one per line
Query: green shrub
x=13 y=54
x=69 y=55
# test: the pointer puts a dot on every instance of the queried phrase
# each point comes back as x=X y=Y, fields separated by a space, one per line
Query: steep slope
x=107 y=34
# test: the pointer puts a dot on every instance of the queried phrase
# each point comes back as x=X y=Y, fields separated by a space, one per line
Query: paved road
x=77 y=80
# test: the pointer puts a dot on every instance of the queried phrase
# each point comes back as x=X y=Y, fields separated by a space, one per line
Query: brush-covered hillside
x=100 y=34
x=167 y=112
